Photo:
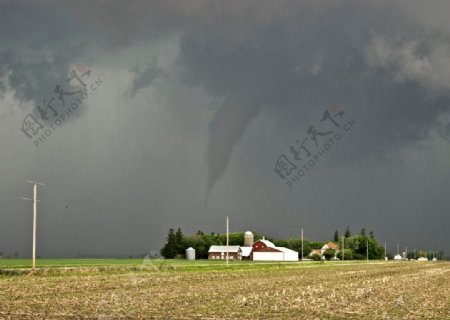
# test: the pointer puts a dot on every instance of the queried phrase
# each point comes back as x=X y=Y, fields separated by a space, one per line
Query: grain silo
x=248 y=239
x=190 y=253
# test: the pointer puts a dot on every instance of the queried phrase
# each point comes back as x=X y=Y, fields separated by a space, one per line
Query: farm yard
x=178 y=289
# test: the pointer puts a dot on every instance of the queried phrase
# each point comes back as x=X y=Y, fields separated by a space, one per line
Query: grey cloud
x=36 y=60
x=292 y=66
x=144 y=77
x=422 y=61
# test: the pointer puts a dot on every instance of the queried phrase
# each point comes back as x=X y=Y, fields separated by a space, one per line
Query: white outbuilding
x=422 y=259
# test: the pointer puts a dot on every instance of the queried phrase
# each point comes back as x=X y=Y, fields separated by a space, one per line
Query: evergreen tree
x=180 y=240
x=347 y=234
x=169 y=250
x=336 y=236
x=371 y=235
x=179 y=236
x=363 y=232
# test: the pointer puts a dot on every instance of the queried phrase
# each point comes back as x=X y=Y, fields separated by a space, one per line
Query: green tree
x=316 y=257
x=363 y=232
x=180 y=243
x=359 y=244
x=348 y=254
x=336 y=236
x=347 y=233
x=234 y=239
x=179 y=236
x=201 y=247
x=371 y=235
x=358 y=256
x=316 y=244
x=200 y=233
x=375 y=250
x=281 y=243
x=329 y=254
x=169 y=250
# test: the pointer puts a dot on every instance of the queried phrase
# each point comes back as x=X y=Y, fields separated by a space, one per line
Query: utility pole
x=302 y=244
x=385 y=251
x=227 y=241
x=35 y=201
x=367 y=250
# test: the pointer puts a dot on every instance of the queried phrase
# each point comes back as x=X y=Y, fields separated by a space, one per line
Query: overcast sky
x=179 y=113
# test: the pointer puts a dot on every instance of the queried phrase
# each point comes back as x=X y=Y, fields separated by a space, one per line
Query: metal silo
x=190 y=253
x=248 y=239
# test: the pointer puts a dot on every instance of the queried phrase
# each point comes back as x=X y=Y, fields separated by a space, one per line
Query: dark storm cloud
x=332 y=54
x=282 y=53
x=34 y=60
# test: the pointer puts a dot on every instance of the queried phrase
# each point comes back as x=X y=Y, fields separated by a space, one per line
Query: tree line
x=177 y=242
x=356 y=247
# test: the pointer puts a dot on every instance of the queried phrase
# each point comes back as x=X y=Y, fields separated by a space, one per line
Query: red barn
x=265 y=250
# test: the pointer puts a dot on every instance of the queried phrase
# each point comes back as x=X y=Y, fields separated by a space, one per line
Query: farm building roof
x=332 y=246
x=268 y=243
x=246 y=251
x=286 y=250
x=224 y=249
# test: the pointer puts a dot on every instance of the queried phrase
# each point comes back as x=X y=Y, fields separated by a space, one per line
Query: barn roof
x=224 y=249
x=246 y=251
x=267 y=243
x=286 y=250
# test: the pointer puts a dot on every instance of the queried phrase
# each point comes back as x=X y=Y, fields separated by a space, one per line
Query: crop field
x=177 y=289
